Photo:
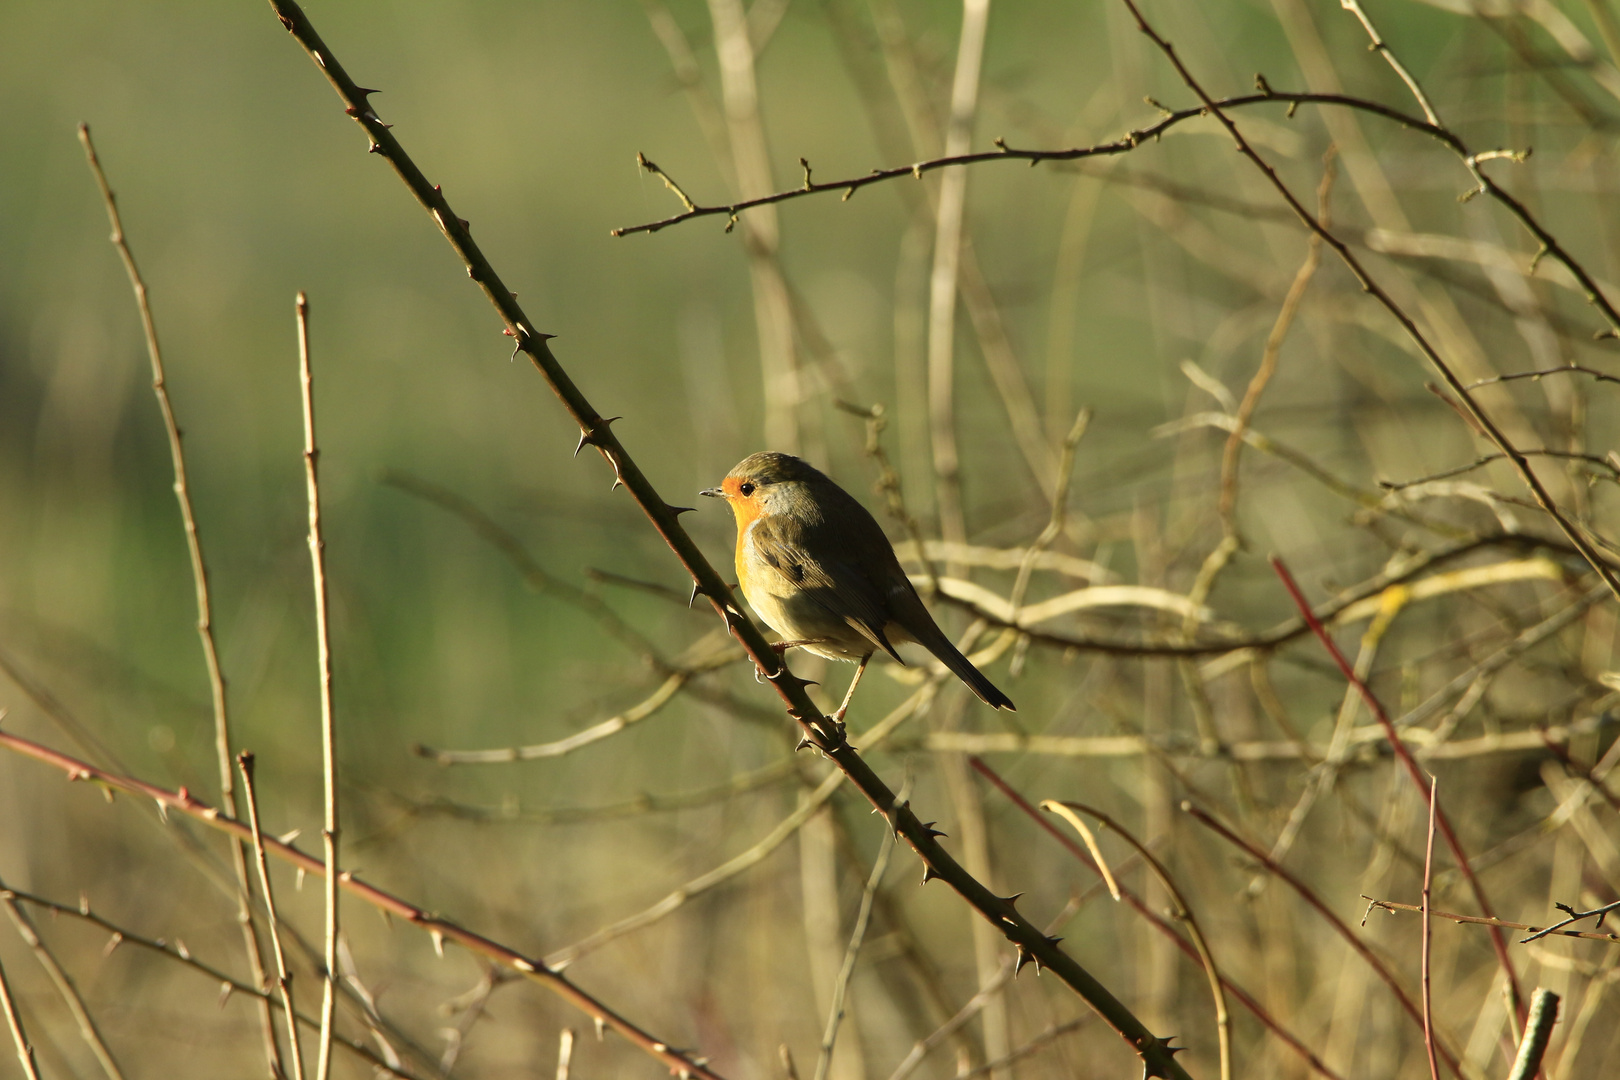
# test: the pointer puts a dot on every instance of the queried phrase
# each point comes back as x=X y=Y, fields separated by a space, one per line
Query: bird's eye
x=746 y=488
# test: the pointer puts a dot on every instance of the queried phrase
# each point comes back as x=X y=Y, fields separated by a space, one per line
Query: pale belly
x=799 y=617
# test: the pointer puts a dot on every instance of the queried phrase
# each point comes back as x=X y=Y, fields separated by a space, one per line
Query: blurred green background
x=241 y=182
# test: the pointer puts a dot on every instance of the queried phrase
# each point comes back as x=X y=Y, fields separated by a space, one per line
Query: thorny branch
x=596 y=431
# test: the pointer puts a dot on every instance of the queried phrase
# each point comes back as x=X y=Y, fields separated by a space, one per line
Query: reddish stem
x=1415 y=771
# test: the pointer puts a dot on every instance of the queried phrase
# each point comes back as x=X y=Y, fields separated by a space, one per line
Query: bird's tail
x=963 y=669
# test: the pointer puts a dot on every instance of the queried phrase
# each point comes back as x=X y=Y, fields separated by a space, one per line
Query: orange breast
x=746 y=510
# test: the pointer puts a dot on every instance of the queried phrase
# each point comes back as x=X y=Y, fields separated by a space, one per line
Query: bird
x=816 y=567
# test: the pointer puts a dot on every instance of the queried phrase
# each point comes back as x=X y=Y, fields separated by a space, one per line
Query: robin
x=815 y=565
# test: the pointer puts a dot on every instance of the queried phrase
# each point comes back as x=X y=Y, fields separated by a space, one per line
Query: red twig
x=678 y=1061
x=1428 y=879
x=1415 y=771
x=1305 y=892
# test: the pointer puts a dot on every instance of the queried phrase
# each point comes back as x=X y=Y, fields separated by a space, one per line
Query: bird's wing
x=798 y=551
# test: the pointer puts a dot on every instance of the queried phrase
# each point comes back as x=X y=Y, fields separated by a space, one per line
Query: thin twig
x=64 y=985
x=1400 y=69
x=1368 y=740
x=1537 y=376
x=439 y=928
x=19 y=1037
x=1125 y=144
x=596 y=430
x=835 y=1014
x=284 y=976
x=323 y=645
x=177 y=952
x=1424 y=960
x=1273 y=349
x=199 y=576
x=1498 y=941
x=1574 y=916
x=1593 y=460
x=593 y=734
x=1494 y=923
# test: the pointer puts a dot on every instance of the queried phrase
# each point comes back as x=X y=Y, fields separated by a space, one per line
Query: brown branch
x=1003 y=152
x=596 y=430
x=199 y=576
x=441 y=929
x=1493 y=923
x=1567 y=455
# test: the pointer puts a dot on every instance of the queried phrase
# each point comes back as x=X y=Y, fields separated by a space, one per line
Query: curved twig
x=1182 y=912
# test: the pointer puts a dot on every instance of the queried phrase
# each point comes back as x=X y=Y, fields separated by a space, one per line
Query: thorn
x=807 y=743
x=1053 y=941
x=929 y=874
x=438 y=941
x=690 y=600
x=365 y=92
x=601 y=1027
x=617 y=484
x=112 y=943
x=84 y=904
x=929 y=830
x=225 y=990
x=1012 y=901
x=679 y=510
x=1025 y=957
x=181 y=950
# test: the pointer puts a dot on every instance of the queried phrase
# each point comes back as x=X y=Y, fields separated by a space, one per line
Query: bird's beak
x=713 y=493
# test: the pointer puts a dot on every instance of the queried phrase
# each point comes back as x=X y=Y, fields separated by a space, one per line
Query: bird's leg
x=860 y=669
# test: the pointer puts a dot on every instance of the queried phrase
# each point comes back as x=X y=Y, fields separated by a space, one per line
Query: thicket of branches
x=1314 y=670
